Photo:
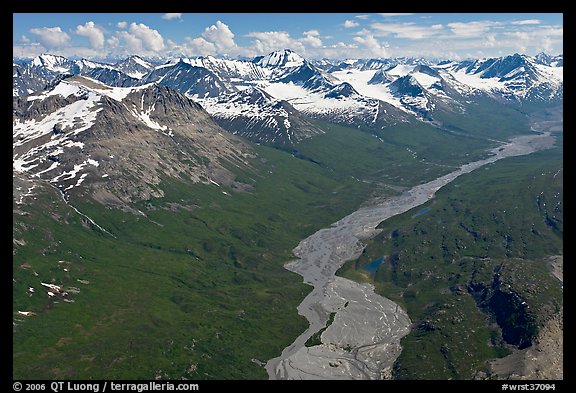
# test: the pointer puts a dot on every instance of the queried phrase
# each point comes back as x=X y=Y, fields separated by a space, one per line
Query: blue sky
x=316 y=35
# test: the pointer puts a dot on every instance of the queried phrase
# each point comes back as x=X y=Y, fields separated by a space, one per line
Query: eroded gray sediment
x=364 y=340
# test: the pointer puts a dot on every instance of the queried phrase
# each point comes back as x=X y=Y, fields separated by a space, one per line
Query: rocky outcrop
x=542 y=361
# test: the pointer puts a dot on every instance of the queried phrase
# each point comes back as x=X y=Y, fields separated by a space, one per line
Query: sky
x=316 y=35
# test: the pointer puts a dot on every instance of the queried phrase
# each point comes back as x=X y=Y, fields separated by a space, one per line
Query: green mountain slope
x=472 y=266
x=194 y=286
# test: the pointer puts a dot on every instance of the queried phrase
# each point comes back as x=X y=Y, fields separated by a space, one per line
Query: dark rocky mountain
x=381 y=77
x=25 y=81
x=35 y=75
x=134 y=66
x=284 y=58
x=120 y=143
x=257 y=116
x=190 y=80
x=111 y=77
x=426 y=70
x=522 y=77
x=307 y=76
x=342 y=90
x=412 y=95
x=407 y=86
x=326 y=90
x=230 y=71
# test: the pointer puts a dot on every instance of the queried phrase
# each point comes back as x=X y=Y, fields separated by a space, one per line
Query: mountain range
x=78 y=119
x=155 y=203
x=372 y=93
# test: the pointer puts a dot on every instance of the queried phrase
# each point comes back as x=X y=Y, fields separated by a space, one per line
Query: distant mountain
x=323 y=64
x=285 y=58
x=349 y=92
x=83 y=65
x=134 y=66
x=342 y=90
x=39 y=72
x=305 y=75
x=257 y=116
x=111 y=77
x=53 y=64
x=375 y=64
x=381 y=77
x=197 y=82
x=412 y=95
x=553 y=61
x=516 y=77
x=230 y=71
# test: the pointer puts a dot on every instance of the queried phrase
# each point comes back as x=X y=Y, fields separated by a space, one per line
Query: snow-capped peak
x=52 y=62
x=134 y=66
x=140 y=61
x=285 y=58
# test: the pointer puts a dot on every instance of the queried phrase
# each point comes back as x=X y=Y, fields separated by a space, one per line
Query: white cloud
x=141 y=38
x=51 y=37
x=269 y=41
x=472 y=29
x=94 y=33
x=28 y=51
x=113 y=42
x=33 y=50
x=198 y=47
x=312 y=41
x=134 y=44
x=541 y=38
x=455 y=40
x=375 y=49
x=499 y=41
x=350 y=23
x=151 y=39
x=265 y=42
x=527 y=22
x=221 y=36
x=407 y=30
x=173 y=15
x=311 y=32
x=491 y=40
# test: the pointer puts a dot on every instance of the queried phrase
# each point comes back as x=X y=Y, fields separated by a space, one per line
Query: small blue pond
x=373 y=266
x=426 y=209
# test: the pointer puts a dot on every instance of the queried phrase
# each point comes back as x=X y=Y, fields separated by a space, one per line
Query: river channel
x=363 y=340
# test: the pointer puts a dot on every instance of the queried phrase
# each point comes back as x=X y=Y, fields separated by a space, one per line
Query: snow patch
x=145 y=118
x=284 y=91
x=73 y=119
x=400 y=70
x=359 y=81
x=484 y=84
x=425 y=80
x=54 y=287
x=64 y=88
